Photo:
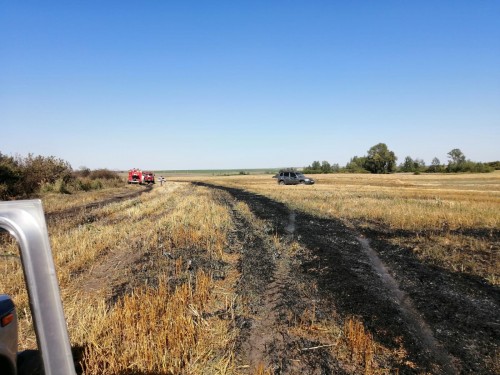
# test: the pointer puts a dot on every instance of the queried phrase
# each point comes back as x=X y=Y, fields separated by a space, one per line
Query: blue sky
x=248 y=84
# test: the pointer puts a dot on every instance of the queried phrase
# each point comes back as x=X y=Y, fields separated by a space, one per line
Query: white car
x=8 y=336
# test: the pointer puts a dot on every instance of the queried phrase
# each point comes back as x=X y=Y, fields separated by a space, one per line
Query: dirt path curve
x=116 y=270
x=74 y=211
x=362 y=277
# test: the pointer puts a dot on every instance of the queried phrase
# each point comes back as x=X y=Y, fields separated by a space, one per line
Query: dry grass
x=152 y=330
x=54 y=202
x=405 y=202
x=448 y=220
x=156 y=328
x=350 y=343
x=360 y=343
x=182 y=322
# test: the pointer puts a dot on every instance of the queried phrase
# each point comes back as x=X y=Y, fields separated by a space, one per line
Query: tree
x=356 y=165
x=408 y=165
x=419 y=164
x=380 y=159
x=315 y=167
x=326 y=167
x=456 y=156
x=10 y=174
x=435 y=166
x=456 y=160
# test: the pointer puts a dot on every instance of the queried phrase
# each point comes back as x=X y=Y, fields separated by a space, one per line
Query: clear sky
x=248 y=84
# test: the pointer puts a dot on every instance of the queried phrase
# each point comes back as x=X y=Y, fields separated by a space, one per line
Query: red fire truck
x=136 y=176
x=148 y=177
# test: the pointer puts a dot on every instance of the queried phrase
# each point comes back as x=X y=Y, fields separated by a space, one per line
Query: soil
x=445 y=322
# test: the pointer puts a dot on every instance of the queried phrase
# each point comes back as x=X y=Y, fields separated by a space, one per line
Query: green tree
x=10 y=174
x=456 y=156
x=419 y=165
x=380 y=159
x=435 y=166
x=315 y=167
x=408 y=165
x=326 y=167
x=356 y=165
x=456 y=162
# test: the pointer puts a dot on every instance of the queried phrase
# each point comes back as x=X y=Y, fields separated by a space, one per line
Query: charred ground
x=445 y=322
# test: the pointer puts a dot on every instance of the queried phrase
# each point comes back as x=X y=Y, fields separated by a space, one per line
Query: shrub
x=4 y=191
x=103 y=174
x=82 y=184
x=96 y=184
x=27 y=177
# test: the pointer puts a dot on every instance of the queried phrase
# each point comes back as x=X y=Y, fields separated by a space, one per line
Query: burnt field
x=213 y=278
x=443 y=322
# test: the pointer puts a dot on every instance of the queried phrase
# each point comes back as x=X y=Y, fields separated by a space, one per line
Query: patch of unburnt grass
x=193 y=337
x=161 y=255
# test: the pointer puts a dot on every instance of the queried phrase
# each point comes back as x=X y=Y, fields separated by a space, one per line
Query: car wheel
x=282 y=182
x=302 y=182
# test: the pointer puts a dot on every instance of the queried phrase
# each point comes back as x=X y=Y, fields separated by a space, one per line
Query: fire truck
x=148 y=177
x=136 y=176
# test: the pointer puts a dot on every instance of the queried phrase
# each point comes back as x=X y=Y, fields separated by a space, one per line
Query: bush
x=27 y=177
x=61 y=186
x=4 y=191
x=494 y=164
x=24 y=177
x=103 y=174
x=469 y=166
x=96 y=184
x=82 y=184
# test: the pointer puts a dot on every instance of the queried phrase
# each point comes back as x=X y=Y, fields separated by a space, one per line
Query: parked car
x=8 y=336
x=293 y=178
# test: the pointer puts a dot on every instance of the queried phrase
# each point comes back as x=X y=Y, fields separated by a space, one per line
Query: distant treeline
x=380 y=159
x=27 y=177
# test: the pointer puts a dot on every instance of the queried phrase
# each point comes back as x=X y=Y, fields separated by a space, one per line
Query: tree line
x=27 y=177
x=379 y=159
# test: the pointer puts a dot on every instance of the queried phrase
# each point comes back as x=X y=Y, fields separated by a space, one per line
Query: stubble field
x=237 y=275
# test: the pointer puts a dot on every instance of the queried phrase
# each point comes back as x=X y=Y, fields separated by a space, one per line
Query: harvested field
x=236 y=275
